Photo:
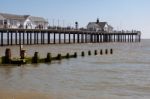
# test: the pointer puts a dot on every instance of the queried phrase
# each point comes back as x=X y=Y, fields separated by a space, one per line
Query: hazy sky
x=121 y=14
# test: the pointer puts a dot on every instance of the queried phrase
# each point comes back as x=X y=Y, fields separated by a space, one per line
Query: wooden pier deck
x=47 y=36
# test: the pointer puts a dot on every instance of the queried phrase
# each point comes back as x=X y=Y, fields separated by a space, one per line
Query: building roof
x=13 y=16
x=37 y=19
x=1 y=17
x=99 y=24
x=22 y=17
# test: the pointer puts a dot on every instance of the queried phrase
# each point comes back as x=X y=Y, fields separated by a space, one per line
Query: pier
x=52 y=36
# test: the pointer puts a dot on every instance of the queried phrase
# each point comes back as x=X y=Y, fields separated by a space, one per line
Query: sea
x=125 y=74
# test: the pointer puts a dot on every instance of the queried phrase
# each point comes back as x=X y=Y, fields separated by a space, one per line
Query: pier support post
x=64 y=38
x=69 y=38
x=8 y=38
x=19 y=38
x=27 y=38
x=11 y=37
x=54 y=38
x=30 y=38
x=74 y=39
x=48 y=38
x=37 y=38
x=78 y=38
x=2 y=39
x=59 y=38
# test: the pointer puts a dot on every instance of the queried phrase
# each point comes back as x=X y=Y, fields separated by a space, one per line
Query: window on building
x=1 y=22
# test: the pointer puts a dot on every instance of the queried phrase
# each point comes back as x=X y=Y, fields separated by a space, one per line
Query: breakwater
x=50 y=36
x=23 y=59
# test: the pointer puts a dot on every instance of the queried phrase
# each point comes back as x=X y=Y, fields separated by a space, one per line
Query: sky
x=121 y=14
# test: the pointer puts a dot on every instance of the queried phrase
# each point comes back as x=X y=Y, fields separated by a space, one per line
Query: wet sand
x=26 y=95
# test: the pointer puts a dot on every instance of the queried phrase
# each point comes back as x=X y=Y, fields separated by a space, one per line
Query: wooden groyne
x=23 y=59
x=37 y=36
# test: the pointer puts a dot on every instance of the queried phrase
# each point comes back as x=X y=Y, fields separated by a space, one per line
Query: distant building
x=99 y=26
x=22 y=21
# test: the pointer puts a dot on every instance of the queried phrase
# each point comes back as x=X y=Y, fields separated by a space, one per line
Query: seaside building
x=22 y=21
x=99 y=26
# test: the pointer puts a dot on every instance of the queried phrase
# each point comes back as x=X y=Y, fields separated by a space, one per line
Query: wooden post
x=2 y=39
x=37 y=37
x=11 y=38
x=48 y=34
x=89 y=53
x=82 y=54
x=23 y=54
x=78 y=38
x=19 y=38
x=111 y=51
x=64 y=38
x=7 y=37
x=7 y=59
x=36 y=57
x=23 y=38
x=59 y=38
x=86 y=36
x=34 y=37
x=30 y=38
x=54 y=38
x=101 y=52
x=139 y=38
x=74 y=39
x=16 y=38
x=43 y=38
x=69 y=38
x=27 y=38
x=48 y=58
x=82 y=41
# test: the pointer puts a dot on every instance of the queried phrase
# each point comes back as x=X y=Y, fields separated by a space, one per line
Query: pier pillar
x=69 y=38
x=78 y=38
x=101 y=38
x=37 y=38
x=95 y=38
x=23 y=38
x=16 y=38
x=54 y=38
x=125 y=38
x=86 y=36
x=114 y=38
x=48 y=38
x=27 y=38
x=43 y=37
x=59 y=38
x=128 y=38
x=132 y=38
x=19 y=38
x=82 y=41
x=2 y=39
x=11 y=37
x=34 y=37
x=74 y=38
x=30 y=38
x=7 y=38
x=139 y=38
x=64 y=38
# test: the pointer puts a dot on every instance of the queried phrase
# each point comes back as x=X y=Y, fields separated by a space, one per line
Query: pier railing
x=52 y=36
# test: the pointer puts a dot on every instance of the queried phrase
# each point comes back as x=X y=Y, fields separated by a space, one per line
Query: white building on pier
x=99 y=26
x=22 y=21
